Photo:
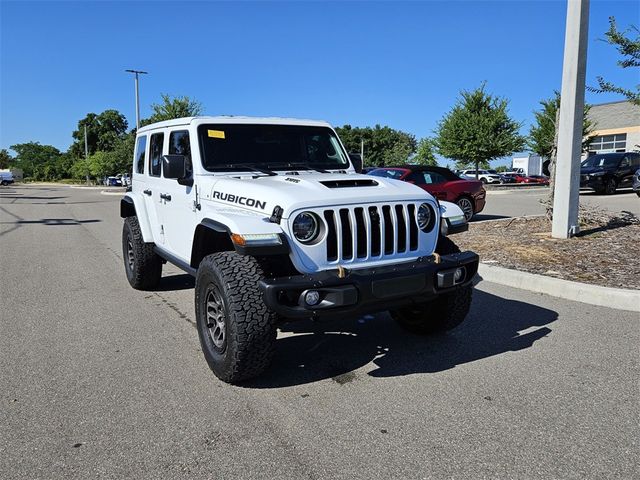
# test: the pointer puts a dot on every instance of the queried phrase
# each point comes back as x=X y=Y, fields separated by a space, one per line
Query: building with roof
x=616 y=127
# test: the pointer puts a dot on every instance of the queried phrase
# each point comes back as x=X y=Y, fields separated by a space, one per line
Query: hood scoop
x=349 y=183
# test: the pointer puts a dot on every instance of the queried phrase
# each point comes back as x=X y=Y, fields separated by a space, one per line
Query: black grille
x=372 y=232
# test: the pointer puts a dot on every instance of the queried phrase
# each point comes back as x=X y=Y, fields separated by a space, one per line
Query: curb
x=120 y=194
x=617 y=298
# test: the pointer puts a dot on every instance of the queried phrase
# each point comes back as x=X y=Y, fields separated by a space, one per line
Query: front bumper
x=369 y=289
x=592 y=182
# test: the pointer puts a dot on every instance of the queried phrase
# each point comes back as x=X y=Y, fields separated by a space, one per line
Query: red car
x=536 y=179
x=442 y=183
x=521 y=178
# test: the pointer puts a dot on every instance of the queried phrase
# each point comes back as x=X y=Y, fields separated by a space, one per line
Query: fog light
x=459 y=275
x=312 y=297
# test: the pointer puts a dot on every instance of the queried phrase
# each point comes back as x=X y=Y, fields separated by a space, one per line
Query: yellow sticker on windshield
x=216 y=133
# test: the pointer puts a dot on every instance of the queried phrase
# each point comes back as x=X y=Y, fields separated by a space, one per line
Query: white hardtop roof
x=231 y=119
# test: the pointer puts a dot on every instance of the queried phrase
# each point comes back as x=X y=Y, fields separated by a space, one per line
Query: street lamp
x=137 y=72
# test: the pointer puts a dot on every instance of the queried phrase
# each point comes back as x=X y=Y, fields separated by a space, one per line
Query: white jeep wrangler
x=275 y=224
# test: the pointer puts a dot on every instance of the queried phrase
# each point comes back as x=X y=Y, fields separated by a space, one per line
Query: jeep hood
x=305 y=190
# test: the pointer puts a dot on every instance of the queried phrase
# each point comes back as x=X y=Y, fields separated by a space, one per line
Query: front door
x=178 y=202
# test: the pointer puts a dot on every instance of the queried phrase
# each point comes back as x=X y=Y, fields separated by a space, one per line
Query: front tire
x=142 y=265
x=610 y=187
x=236 y=329
x=466 y=205
x=442 y=314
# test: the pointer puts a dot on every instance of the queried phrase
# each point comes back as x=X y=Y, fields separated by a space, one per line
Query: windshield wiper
x=252 y=167
x=297 y=166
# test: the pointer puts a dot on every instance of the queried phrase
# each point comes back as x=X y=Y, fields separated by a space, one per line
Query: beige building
x=616 y=127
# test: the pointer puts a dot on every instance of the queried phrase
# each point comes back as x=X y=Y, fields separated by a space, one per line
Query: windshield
x=235 y=146
x=606 y=161
x=383 y=172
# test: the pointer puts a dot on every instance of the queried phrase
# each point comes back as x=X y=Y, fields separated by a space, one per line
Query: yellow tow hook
x=342 y=272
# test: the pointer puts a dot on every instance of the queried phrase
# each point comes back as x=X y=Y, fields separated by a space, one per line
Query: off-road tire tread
x=441 y=314
x=251 y=339
x=147 y=270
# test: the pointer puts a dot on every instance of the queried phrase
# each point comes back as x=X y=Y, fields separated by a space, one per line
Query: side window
x=179 y=145
x=624 y=162
x=433 y=177
x=155 y=154
x=416 y=177
x=635 y=159
x=141 y=148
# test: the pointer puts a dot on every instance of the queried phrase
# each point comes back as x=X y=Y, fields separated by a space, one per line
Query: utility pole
x=362 y=150
x=137 y=72
x=566 y=189
x=86 y=149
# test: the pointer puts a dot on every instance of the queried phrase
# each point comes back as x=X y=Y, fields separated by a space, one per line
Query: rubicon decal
x=249 y=202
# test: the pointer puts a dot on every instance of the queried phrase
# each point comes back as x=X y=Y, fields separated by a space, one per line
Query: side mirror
x=175 y=166
x=356 y=160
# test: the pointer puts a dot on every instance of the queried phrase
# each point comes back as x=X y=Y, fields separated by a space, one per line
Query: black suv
x=605 y=172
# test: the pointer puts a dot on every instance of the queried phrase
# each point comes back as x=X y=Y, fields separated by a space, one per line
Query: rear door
x=153 y=186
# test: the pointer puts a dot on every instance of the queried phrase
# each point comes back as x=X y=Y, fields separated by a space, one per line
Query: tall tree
x=5 y=159
x=382 y=145
x=176 y=107
x=425 y=154
x=629 y=49
x=478 y=129
x=103 y=132
x=37 y=161
x=541 y=138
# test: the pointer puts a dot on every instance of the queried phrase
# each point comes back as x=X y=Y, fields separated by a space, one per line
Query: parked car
x=6 y=178
x=112 y=182
x=636 y=182
x=606 y=172
x=483 y=175
x=442 y=183
x=540 y=179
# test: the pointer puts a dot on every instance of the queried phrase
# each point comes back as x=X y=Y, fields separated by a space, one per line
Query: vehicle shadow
x=182 y=281
x=480 y=217
x=323 y=350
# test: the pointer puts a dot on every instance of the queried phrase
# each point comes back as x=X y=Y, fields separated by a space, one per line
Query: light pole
x=566 y=193
x=137 y=72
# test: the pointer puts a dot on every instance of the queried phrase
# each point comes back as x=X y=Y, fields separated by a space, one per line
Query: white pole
x=566 y=190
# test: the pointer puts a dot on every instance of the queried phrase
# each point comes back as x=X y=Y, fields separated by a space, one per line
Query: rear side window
x=155 y=154
x=141 y=147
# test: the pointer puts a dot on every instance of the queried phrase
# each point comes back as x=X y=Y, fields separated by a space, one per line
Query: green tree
x=39 y=162
x=478 y=129
x=629 y=49
x=104 y=131
x=5 y=159
x=382 y=145
x=176 y=107
x=425 y=154
x=542 y=134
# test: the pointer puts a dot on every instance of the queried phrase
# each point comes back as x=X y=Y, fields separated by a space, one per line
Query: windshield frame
x=334 y=139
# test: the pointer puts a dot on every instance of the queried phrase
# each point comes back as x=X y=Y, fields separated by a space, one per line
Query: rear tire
x=442 y=314
x=142 y=265
x=236 y=329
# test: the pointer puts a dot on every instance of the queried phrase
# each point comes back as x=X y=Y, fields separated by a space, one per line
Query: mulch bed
x=605 y=253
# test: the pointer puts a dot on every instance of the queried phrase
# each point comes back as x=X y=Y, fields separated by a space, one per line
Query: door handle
x=147 y=192
x=164 y=196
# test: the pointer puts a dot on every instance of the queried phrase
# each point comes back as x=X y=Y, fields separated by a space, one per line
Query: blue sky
x=400 y=64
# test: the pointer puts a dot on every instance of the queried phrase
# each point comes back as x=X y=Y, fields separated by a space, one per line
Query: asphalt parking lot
x=515 y=203
x=101 y=381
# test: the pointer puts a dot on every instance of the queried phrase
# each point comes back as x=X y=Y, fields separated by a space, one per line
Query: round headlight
x=306 y=227
x=426 y=217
